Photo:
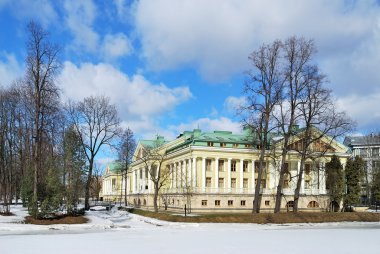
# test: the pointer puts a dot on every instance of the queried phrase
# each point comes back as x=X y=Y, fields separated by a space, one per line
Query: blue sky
x=175 y=65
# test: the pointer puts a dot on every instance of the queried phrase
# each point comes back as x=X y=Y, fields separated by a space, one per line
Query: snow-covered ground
x=120 y=232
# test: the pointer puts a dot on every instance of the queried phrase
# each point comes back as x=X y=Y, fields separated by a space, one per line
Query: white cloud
x=140 y=102
x=116 y=45
x=79 y=18
x=232 y=103
x=10 y=69
x=365 y=110
x=216 y=36
x=41 y=10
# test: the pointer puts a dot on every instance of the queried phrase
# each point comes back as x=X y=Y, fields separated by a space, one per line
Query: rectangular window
x=233 y=182
x=307 y=184
x=146 y=173
x=204 y=202
x=263 y=183
x=245 y=166
x=257 y=165
x=375 y=152
x=222 y=144
x=210 y=143
x=307 y=169
x=217 y=202
x=245 y=183
x=221 y=183
x=363 y=152
x=140 y=173
x=235 y=145
x=113 y=184
x=267 y=202
x=233 y=166
x=230 y=202
x=208 y=181
x=286 y=183
x=248 y=145
x=242 y=202
x=208 y=164
x=221 y=165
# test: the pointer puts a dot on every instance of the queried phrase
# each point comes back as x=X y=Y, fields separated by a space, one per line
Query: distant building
x=367 y=147
x=217 y=172
x=113 y=185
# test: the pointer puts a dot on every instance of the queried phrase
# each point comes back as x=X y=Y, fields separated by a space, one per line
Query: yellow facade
x=222 y=179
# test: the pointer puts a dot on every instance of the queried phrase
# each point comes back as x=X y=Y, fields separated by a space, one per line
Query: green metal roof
x=115 y=167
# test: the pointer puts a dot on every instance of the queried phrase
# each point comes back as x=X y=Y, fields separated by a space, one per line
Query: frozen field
x=119 y=232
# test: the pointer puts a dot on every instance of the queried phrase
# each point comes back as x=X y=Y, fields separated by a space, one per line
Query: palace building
x=217 y=172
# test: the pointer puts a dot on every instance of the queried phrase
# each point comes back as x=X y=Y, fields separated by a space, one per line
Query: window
x=233 y=182
x=235 y=145
x=290 y=204
x=217 y=202
x=242 y=202
x=363 y=152
x=146 y=173
x=313 y=204
x=208 y=181
x=245 y=183
x=113 y=184
x=263 y=183
x=221 y=165
x=208 y=164
x=267 y=202
x=233 y=166
x=245 y=166
x=222 y=144
x=221 y=183
x=204 y=202
x=307 y=169
x=375 y=152
x=230 y=202
x=140 y=173
x=307 y=184
x=257 y=165
x=286 y=183
x=248 y=145
x=210 y=143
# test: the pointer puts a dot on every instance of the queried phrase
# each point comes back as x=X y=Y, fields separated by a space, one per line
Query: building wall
x=188 y=182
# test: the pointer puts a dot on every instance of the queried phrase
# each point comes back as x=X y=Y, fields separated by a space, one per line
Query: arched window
x=313 y=204
x=144 y=202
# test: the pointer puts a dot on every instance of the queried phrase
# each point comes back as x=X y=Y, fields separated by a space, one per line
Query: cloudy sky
x=174 y=65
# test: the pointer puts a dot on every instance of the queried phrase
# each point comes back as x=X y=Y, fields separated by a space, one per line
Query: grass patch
x=58 y=220
x=264 y=218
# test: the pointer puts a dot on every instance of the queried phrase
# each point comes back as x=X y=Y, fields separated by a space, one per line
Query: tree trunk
x=258 y=194
x=299 y=181
x=88 y=185
x=155 y=198
x=277 y=207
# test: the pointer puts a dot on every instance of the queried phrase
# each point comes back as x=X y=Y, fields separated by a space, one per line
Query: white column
x=241 y=175
x=143 y=180
x=203 y=184
x=272 y=176
x=216 y=174
x=181 y=175
x=322 y=182
x=150 y=182
x=194 y=175
x=253 y=176
x=171 y=175
x=188 y=169
x=229 y=175
x=303 y=177
x=175 y=176
x=134 y=182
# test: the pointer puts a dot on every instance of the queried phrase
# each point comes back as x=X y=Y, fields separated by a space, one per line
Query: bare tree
x=126 y=149
x=262 y=90
x=153 y=157
x=320 y=119
x=296 y=60
x=97 y=122
x=42 y=67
